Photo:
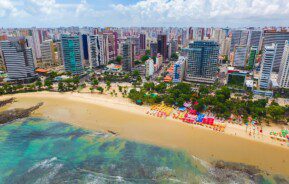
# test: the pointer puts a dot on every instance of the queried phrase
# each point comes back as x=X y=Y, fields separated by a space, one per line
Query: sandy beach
x=103 y=113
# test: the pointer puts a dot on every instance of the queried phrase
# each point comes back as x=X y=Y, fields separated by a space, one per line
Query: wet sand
x=103 y=113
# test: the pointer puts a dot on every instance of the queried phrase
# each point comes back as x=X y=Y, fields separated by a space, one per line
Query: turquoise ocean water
x=39 y=151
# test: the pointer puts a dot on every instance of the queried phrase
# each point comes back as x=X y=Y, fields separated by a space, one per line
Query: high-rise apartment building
x=47 y=53
x=142 y=39
x=235 y=39
x=279 y=39
x=154 y=49
x=255 y=39
x=84 y=47
x=179 y=70
x=225 y=46
x=30 y=43
x=244 y=37
x=162 y=46
x=110 y=47
x=18 y=59
x=283 y=76
x=127 y=56
x=59 y=53
x=240 y=55
x=72 y=58
x=174 y=46
x=252 y=57
x=202 y=61
x=269 y=56
x=96 y=53
x=37 y=40
x=149 y=65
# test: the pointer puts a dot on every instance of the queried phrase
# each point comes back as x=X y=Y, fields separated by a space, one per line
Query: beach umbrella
x=187 y=104
x=284 y=132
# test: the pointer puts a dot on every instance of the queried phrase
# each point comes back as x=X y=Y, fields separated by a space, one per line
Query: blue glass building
x=85 y=46
x=72 y=58
x=202 y=61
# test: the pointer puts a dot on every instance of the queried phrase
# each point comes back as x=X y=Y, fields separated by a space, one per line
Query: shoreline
x=103 y=113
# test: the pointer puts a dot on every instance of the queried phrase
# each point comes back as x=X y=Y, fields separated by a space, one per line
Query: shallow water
x=35 y=150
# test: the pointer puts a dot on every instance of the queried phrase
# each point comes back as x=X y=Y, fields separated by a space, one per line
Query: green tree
x=91 y=89
x=120 y=89
x=61 y=87
x=76 y=81
x=276 y=112
x=48 y=83
x=39 y=84
x=135 y=73
x=148 y=52
x=100 y=89
x=149 y=86
x=94 y=82
x=108 y=85
x=118 y=59
x=144 y=58
x=174 y=56
x=53 y=74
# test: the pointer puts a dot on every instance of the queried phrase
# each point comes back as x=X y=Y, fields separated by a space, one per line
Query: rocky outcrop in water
x=251 y=170
x=11 y=115
x=7 y=101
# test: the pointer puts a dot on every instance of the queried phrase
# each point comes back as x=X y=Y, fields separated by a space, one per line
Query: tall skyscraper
x=255 y=39
x=96 y=54
x=84 y=47
x=18 y=59
x=279 y=39
x=59 y=53
x=283 y=76
x=179 y=70
x=240 y=55
x=37 y=40
x=47 y=53
x=109 y=46
x=154 y=49
x=252 y=57
x=162 y=46
x=200 y=34
x=191 y=34
x=244 y=37
x=225 y=46
x=127 y=56
x=235 y=39
x=202 y=61
x=30 y=43
x=142 y=39
x=149 y=65
x=269 y=56
x=174 y=46
x=72 y=58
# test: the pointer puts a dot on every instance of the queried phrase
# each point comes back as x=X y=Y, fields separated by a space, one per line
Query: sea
x=40 y=151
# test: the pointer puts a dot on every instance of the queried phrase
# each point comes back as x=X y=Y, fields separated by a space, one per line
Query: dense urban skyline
x=55 y=13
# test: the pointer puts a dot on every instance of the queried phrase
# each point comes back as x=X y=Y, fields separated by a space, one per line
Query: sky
x=126 y=13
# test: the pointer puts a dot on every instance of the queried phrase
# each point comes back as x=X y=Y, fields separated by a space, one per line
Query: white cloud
x=8 y=8
x=144 y=13
x=186 y=11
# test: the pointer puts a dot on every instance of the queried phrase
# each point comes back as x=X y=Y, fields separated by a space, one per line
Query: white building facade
x=283 y=76
x=267 y=66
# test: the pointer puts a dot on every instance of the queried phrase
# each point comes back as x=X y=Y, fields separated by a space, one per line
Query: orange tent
x=168 y=79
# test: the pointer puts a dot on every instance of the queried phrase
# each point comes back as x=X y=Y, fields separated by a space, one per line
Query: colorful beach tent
x=182 y=109
x=139 y=102
x=200 y=118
